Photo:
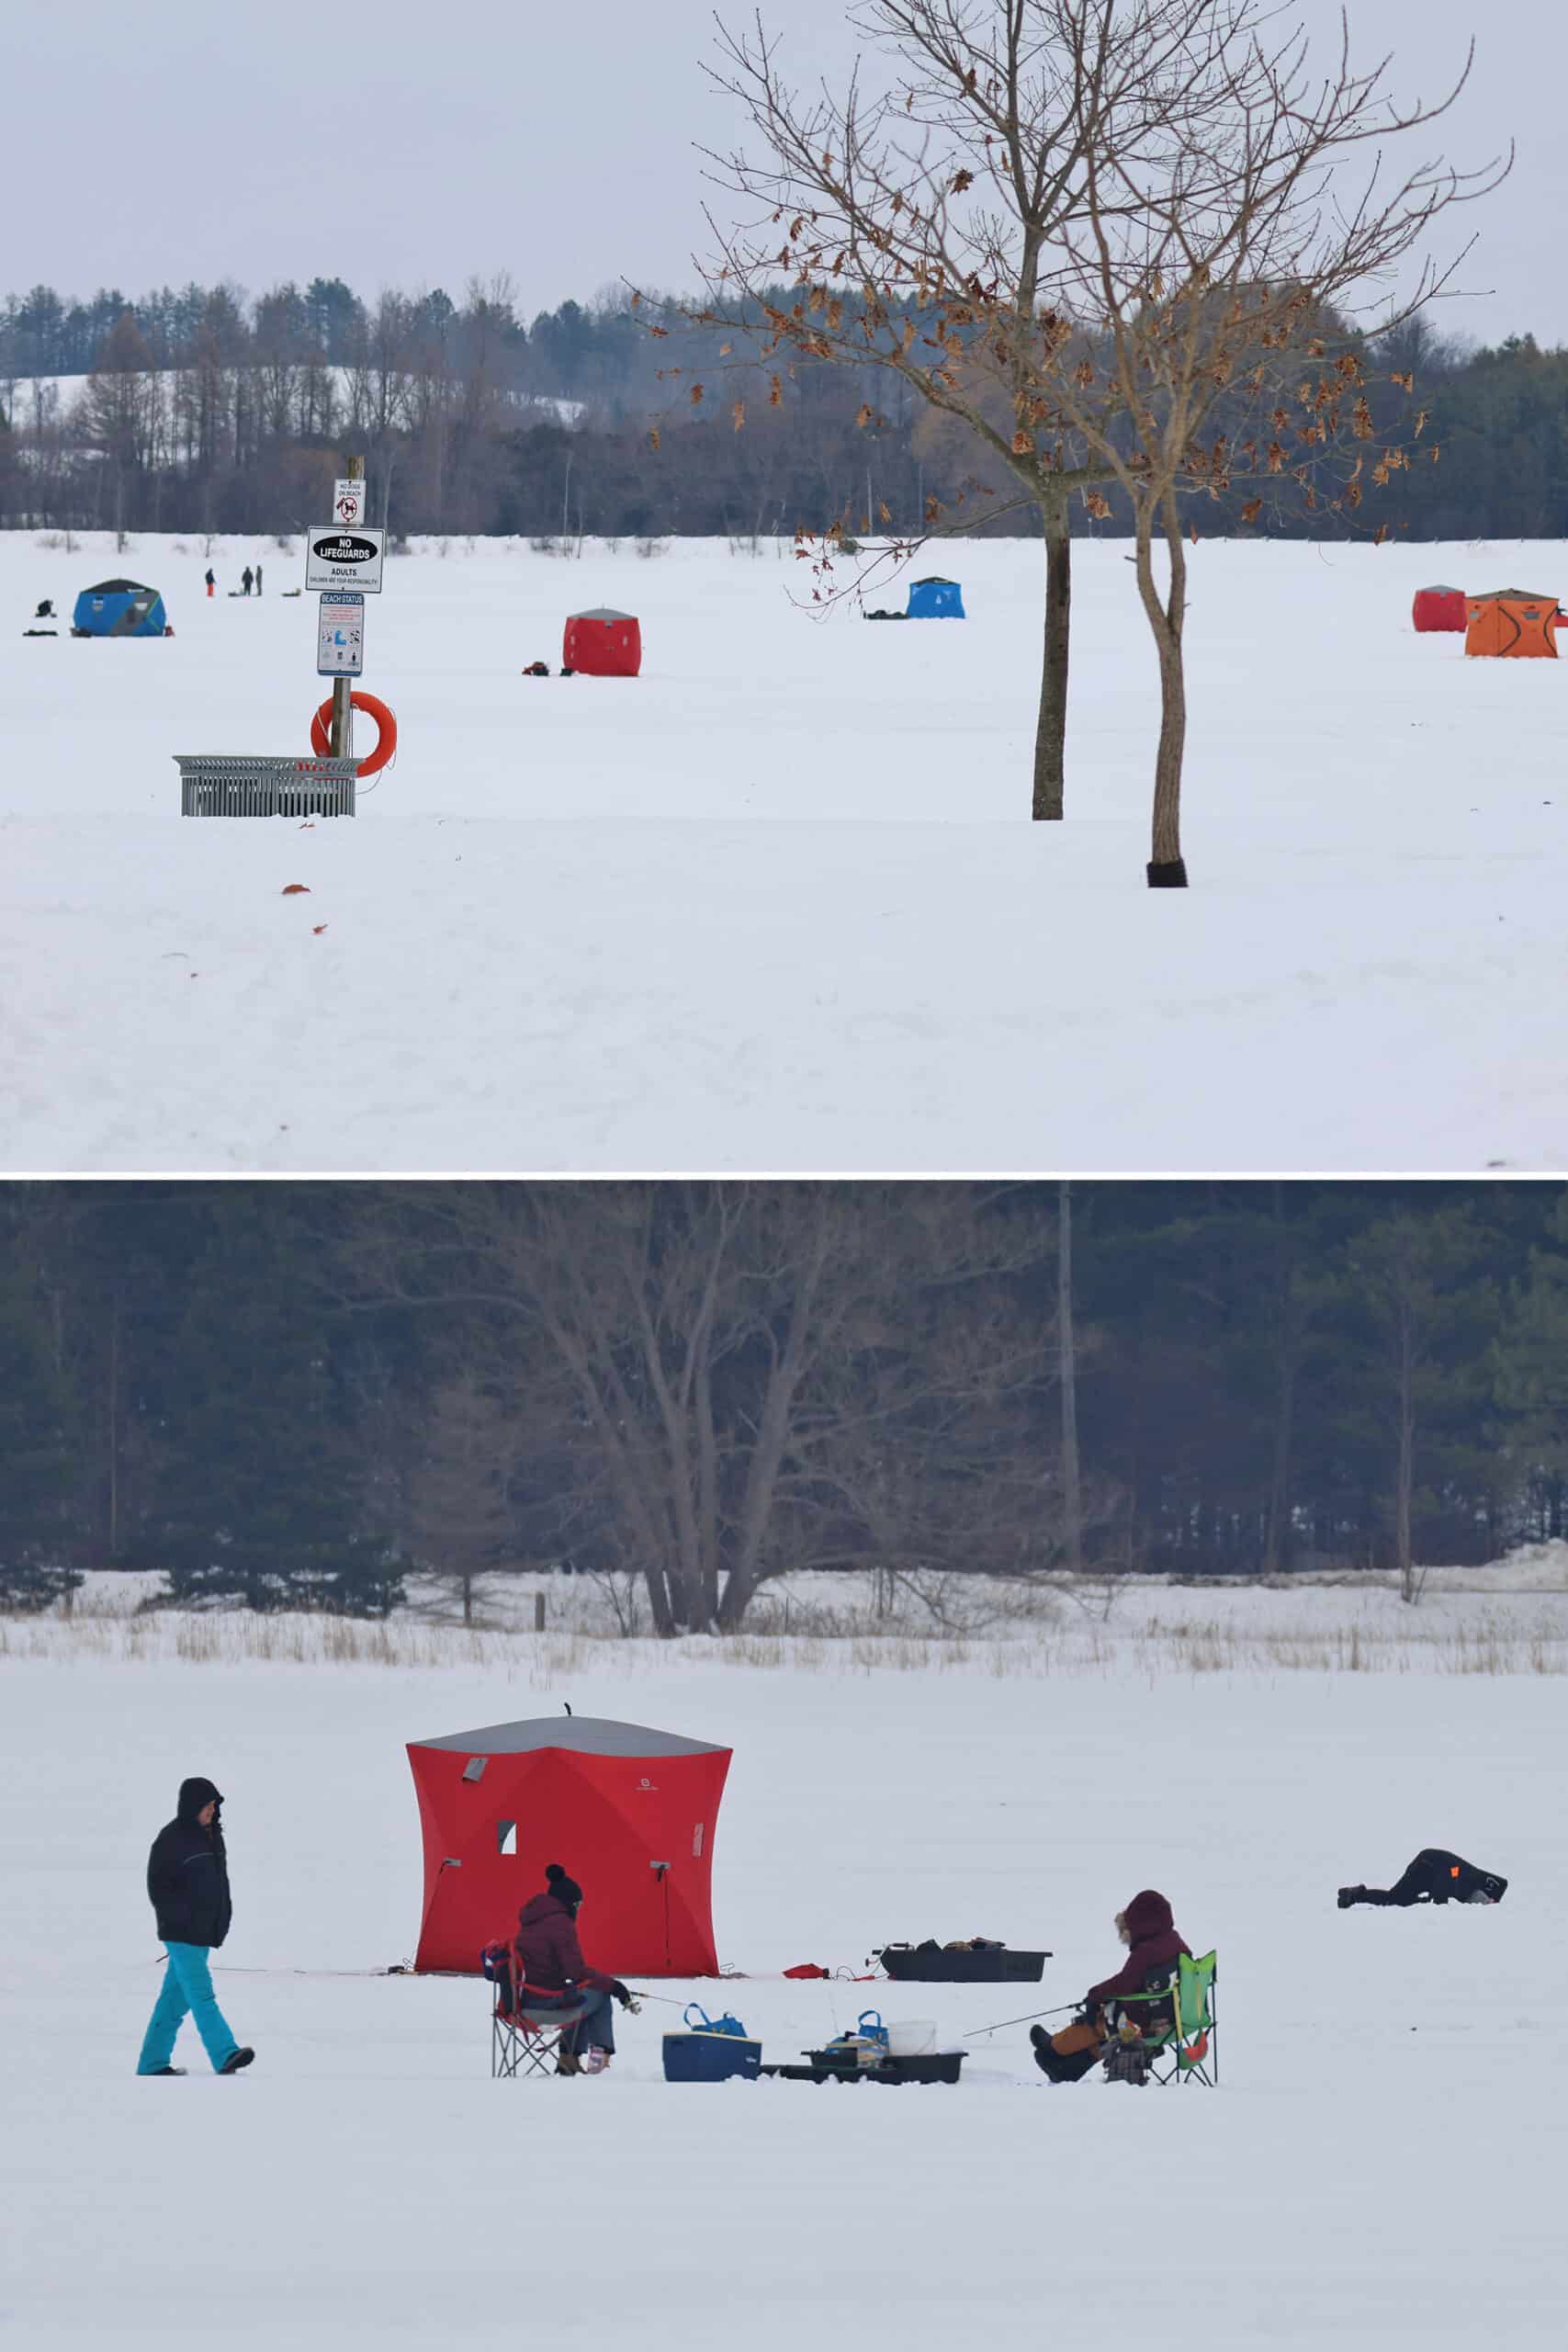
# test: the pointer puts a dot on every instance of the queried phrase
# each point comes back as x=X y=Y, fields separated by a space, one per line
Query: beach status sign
x=345 y=559
x=340 y=635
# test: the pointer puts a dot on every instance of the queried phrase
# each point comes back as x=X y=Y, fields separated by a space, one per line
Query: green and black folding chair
x=1181 y=2034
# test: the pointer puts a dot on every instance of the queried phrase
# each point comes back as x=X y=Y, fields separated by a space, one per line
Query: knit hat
x=565 y=1889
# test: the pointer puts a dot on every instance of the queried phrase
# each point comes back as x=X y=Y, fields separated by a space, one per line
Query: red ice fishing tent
x=602 y=644
x=629 y=1812
x=1442 y=611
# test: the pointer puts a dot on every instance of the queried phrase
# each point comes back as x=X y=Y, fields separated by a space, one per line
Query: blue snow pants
x=186 y=1991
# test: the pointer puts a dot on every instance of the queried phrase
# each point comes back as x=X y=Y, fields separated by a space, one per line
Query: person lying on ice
x=1148 y=1931
x=187 y=1881
x=1433 y=1877
x=550 y=1961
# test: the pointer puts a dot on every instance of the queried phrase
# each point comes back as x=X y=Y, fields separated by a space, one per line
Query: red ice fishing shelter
x=602 y=644
x=1440 y=610
x=629 y=1812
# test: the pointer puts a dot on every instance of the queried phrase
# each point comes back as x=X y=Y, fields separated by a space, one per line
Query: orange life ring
x=373 y=707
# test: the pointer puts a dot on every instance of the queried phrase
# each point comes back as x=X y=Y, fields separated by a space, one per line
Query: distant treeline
x=200 y=411
x=284 y=1394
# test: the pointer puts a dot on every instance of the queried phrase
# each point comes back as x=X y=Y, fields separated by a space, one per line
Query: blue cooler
x=714 y=2051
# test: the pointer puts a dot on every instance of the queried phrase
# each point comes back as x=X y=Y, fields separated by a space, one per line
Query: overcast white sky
x=395 y=142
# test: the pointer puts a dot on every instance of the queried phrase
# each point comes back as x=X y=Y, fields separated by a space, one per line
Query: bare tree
x=1241 y=238
x=727 y=1383
x=1108 y=216
x=919 y=220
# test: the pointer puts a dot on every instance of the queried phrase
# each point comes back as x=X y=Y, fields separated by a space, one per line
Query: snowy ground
x=1381 y=2165
x=777 y=905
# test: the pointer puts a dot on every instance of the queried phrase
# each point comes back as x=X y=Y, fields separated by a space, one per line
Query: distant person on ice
x=551 y=1961
x=1148 y=1930
x=211 y=583
x=258 y=580
x=245 y=579
x=187 y=1880
x=1433 y=1877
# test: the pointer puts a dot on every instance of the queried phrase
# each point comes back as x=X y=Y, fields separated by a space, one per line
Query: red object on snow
x=629 y=1812
x=602 y=644
x=1442 y=611
x=806 y=1969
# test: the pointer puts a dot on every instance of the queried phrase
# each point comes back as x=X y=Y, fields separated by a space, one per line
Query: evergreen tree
x=260 y=1497
x=35 y=1414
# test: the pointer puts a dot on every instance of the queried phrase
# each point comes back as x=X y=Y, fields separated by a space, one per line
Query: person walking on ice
x=211 y=580
x=187 y=1883
x=258 y=580
x=246 y=577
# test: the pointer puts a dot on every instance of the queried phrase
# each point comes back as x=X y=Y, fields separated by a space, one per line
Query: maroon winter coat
x=1155 y=1944
x=548 y=1947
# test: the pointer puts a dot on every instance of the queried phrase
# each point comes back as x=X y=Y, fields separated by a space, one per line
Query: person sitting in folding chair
x=557 y=1977
x=1148 y=1930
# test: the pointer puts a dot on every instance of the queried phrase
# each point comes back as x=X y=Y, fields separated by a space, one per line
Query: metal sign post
x=342 y=739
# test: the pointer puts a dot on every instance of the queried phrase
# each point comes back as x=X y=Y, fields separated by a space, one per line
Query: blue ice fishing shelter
x=119 y=608
x=936 y=600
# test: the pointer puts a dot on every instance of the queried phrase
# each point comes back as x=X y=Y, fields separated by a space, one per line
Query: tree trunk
x=1051 y=731
x=1167 y=620
x=1406 y=1466
x=114 y=1426
x=658 y=1604
x=1066 y=1356
x=1276 y=1545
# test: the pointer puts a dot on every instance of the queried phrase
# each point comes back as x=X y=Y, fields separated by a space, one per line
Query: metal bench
x=213 y=786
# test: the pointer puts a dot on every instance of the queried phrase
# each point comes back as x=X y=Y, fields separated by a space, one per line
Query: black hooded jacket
x=187 y=1872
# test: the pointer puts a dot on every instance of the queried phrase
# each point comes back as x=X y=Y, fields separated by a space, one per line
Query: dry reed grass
x=830 y=1643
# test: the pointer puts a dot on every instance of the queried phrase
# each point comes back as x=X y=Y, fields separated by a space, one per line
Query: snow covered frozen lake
x=1381 y=2165
x=777 y=904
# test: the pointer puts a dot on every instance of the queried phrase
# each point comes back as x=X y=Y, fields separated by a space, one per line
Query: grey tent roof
x=602 y=613
x=583 y=1735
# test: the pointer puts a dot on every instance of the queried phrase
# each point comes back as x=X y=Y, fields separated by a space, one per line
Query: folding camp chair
x=1184 y=2036
x=526 y=2039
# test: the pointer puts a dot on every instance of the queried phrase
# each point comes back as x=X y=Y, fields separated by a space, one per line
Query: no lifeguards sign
x=336 y=559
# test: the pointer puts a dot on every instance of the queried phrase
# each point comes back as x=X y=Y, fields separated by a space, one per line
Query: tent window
x=506 y=1836
x=474 y=1769
x=697 y=1840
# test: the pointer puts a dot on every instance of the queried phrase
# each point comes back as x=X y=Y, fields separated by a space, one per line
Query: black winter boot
x=1349 y=1895
x=235 y=2060
x=166 y=2070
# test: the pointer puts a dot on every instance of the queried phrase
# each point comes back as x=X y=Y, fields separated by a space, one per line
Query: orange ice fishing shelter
x=602 y=644
x=1438 y=610
x=629 y=1812
x=1510 y=624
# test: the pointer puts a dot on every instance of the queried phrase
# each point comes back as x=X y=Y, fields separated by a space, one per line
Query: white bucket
x=915 y=2038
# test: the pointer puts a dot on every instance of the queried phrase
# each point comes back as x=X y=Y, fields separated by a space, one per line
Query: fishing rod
x=1027 y=2021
